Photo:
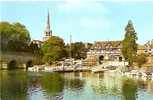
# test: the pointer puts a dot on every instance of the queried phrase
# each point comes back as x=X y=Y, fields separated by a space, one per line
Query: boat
x=48 y=69
x=98 y=69
x=34 y=69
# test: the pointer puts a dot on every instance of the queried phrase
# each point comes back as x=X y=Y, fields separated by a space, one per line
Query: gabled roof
x=107 y=44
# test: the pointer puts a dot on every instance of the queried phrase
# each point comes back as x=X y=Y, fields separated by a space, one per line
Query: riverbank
x=142 y=73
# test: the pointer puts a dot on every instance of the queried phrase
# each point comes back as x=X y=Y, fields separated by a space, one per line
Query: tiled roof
x=107 y=44
x=149 y=44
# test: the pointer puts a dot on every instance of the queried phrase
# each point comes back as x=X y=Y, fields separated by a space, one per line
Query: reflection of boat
x=139 y=74
x=98 y=69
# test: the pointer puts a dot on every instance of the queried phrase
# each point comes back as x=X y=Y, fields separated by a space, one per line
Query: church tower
x=48 y=31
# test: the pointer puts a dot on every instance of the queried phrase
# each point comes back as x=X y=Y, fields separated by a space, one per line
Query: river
x=23 y=85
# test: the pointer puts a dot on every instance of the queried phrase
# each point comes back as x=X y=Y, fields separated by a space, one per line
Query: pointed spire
x=48 y=21
x=48 y=31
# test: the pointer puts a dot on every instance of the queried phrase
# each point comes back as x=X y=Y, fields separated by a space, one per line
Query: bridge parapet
x=20 y=58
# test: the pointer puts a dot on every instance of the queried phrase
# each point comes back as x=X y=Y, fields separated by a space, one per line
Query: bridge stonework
x=20 y=58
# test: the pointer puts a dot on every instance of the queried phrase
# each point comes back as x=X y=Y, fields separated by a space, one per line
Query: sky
x=85 y=20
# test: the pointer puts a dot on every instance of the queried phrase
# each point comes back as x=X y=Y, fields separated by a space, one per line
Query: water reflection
x=104 y=85
x=129 y=89
x=74 y=81
x=100 y=89
x=74 y=84
x=52 y=83
x=20 y=85
x=13 y=88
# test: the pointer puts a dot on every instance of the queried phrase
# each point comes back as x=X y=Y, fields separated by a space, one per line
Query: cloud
x=73 y=6
x=96 y=23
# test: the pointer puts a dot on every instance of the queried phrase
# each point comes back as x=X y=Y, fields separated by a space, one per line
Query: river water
x=22 y=85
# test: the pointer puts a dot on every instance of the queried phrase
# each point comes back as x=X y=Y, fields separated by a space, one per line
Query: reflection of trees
x=52 y=83
x=74 y=84
x=33 y=84
x=151 y=87
x=142 y=84
x=13 y=85
x=129 y=89
x=115 y=90
x=100 y=89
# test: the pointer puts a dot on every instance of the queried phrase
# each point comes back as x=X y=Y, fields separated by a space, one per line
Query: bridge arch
x=29 y=63
x=21 y=60
x=120 y=59
x=12 y=64
x=101 y=58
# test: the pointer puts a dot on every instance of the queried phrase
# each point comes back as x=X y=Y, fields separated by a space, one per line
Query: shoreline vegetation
x=16 y=40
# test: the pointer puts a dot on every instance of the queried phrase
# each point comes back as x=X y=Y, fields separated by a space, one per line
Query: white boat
x=48 y=69
x=34 y=69
x=96 y=69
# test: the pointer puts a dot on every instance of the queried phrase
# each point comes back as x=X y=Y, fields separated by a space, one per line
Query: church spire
x=48 y=31
x=48 y=22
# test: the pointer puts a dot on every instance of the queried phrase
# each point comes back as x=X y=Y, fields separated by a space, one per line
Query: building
x=111 y=51
x=38 y=42
x=141 y=49
x=149 y=47
x=104 y=51
x=47 y=33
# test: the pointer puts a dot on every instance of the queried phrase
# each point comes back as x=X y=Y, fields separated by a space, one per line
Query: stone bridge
x=12 y=60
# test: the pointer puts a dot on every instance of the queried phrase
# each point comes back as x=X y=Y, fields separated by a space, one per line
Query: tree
x=37 y=52
x=141 y=59
x=14 y=37
x=78 y=50
x=129 y=45
x=53 y=49
x=34 y=48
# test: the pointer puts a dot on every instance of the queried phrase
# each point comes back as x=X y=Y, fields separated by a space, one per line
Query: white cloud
x=96 y=23
x=71 y=6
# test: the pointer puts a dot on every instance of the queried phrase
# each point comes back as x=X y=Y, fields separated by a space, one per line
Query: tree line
x=54 y=49
x=16 y=38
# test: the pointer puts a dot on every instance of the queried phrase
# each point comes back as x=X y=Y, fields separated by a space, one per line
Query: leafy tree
x=141 y=59
x=14 y=37
x=23 y=34
x=37 y=52
x=53 y=49
x=129 y=45
x=78 y=50
x=34 y=48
